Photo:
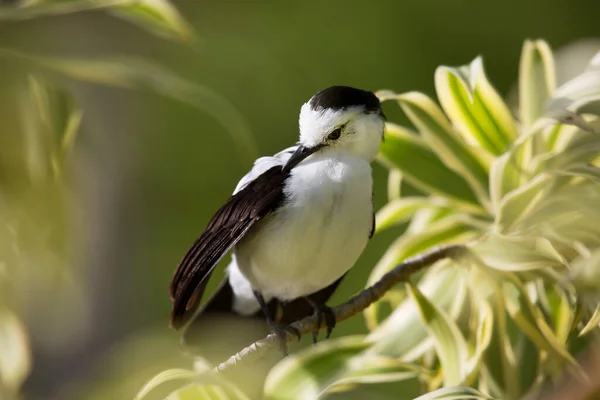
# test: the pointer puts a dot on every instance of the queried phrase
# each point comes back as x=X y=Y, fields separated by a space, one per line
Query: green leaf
x=450 y=345
x=400 y=210
x=445 y=286
x=156 y=16
x=166 y=376
x=455 y=393
x=529 y=364
x=15 y=357
x=537 y=80
x=499 y=371
x=409 y=154
x=475 y=107
x=446 y=143
x=307 y=374
x=530 y=321
x=134 y=73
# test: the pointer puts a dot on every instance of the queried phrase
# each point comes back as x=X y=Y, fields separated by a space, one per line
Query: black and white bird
x=297 y=222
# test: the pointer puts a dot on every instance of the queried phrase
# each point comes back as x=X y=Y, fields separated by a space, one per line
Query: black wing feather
x=372 y=232
x=230 y=223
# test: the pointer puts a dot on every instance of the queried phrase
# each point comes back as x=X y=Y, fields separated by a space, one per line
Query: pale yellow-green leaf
x=72 y=127
x=15 y=357
x=580 y=94
x=44 y=8
x=563 y=318
x=394 y=185
x=567 y=217
x=482 y=322
x=568 y=117
x=446 y=143
x=166 y=376
x=370 y=369
x=553 y=134
x=582 y=170
x=520 y=253
x=207 y=392
x=402 y=209
x=450 y=345
x=407 y=152
x=156 y=16
x=506 y=174
x=528 y=318
x=537 y=80
x=306 y=374
x=584 y=147
x=445 y=286
x=50 y=119
x=455 y=393
x=585 y=271
x=424 y=218
x=475 y=107
x=516 y=205
x=593 y=322
x=446 y=231
x=135 y=73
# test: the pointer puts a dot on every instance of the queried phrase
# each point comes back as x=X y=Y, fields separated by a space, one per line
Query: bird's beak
x=300 y=154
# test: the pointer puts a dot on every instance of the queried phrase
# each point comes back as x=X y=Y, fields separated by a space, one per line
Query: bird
x=295 y=224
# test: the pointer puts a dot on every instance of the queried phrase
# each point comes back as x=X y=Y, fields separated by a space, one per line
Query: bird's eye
x=335 y=134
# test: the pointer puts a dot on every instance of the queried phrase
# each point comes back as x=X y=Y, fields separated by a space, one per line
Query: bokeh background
x=147 y=171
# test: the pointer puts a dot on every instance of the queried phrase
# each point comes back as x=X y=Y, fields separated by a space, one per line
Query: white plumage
x=324 y=224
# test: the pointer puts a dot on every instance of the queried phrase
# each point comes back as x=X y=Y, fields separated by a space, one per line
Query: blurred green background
x=147 y=172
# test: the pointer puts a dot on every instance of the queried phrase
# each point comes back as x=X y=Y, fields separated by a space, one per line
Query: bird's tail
x=217 y=323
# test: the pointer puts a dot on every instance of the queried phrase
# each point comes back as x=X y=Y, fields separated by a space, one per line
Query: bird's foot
x=282 y=331
x=326 y=314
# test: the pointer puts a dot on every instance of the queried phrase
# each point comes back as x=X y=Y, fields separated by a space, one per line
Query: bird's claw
x=326 y=314
x=281 y=331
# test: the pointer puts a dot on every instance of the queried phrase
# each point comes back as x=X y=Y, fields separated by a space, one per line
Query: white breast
x=317 y=235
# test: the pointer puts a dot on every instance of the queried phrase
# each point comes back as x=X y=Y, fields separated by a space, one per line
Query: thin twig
x=353 y=306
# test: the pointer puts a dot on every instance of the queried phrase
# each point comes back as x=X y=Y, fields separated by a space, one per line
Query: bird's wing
x=250 y=202
x=264 y=163
x=373 y=223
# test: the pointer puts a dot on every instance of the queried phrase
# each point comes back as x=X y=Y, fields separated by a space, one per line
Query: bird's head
x=343 y=119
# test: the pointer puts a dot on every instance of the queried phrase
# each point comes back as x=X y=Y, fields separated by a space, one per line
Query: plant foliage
x=522 y=191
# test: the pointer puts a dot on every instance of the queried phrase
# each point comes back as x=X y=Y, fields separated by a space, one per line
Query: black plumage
x=341 y=97
x=257 y=199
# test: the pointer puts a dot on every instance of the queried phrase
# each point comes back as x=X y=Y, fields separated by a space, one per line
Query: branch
x=353 y=306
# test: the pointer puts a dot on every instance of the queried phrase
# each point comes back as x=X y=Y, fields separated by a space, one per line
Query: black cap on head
x=340 y=97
